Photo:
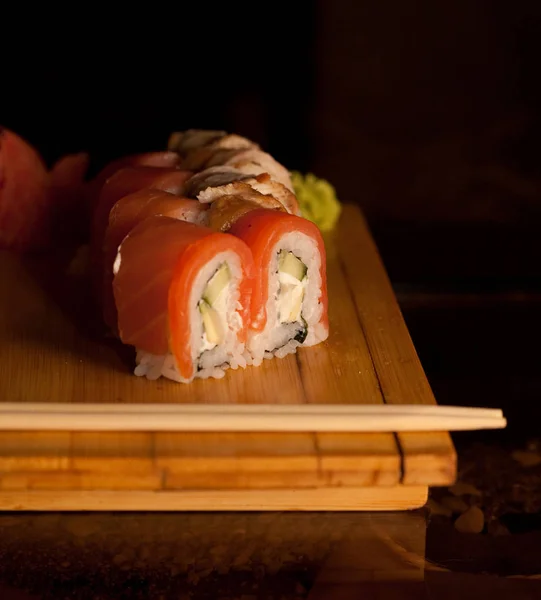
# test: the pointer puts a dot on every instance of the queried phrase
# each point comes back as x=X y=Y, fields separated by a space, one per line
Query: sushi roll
x=197 y=146
x=122 y=182
x=289 y=297
x=211 y=178
x=182 y=292
x=128 y=212
x=220 y=158
x=24 y=201
x=131 y=179
x=252 y=161
x=208 y=189
x=166 y=159
x=191 y=139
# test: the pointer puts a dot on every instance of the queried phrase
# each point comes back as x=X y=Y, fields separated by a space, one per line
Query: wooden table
x=48 y=352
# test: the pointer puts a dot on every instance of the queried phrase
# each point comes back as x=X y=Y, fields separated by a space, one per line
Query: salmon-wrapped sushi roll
x=128 y=212
x=182 y=293
x=132 y=179
x=123 y=182
x=289 y=297
x=167 y=160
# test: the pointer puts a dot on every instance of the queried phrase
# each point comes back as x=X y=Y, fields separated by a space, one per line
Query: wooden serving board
x=51 y=350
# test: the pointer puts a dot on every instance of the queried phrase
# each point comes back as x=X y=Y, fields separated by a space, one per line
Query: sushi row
x=201 y=261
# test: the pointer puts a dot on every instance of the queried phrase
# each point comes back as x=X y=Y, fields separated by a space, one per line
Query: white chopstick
x=84 y=408
x=245 y=417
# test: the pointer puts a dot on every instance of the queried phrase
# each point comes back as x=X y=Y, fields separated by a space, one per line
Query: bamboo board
x=50 y=350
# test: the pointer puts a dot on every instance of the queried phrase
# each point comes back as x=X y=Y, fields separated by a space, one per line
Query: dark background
x=425 y=113
x=419 y=111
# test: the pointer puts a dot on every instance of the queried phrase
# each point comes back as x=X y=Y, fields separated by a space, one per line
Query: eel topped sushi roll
x=289 y=297
x=182 y=293
x=198 y=146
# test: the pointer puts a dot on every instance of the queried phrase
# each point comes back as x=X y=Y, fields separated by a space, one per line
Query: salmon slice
x=38 y=206
x=25 y=218
x=166 y=159
x=123 y=182
x=68 y=173
x=128 y=212
x=131 y=179
x=261 y=230
x=156 y=268
x=69 y=192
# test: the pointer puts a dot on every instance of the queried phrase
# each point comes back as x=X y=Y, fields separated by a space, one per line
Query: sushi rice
x=277 y=339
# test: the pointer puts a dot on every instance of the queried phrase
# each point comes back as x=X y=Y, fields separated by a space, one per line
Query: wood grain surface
x=428 y=457
x=52 y=349
x=398 y=497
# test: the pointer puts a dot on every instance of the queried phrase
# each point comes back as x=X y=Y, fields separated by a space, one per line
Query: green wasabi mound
x=317 y=200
